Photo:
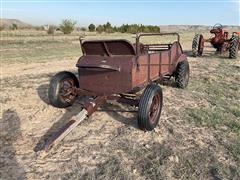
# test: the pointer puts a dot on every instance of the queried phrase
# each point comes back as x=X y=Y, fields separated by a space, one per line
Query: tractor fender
x=181 y=58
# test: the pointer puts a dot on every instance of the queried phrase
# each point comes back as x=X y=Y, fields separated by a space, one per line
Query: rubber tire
x=146 y=98
x=182 y=72
x=233 y=49
x=195 y=45
x=53 y=91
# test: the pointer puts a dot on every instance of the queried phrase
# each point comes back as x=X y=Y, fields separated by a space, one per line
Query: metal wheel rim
x=65 y=90
x=154 y=108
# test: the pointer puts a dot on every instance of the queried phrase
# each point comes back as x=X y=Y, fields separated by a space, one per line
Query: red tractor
x=221 y=42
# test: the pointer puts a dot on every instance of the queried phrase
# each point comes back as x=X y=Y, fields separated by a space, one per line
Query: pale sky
x=155 y=12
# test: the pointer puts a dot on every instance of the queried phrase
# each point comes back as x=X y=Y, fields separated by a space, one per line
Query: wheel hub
x=154 y=108
x=66 y=90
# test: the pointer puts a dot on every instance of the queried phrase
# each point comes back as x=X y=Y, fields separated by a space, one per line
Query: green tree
x=67 y=26
x=14 y=26
x=128 y=28
x=100 y=29
x=91 y=27
x=108 y=27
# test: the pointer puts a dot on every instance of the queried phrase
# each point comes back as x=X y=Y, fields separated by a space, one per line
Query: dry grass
x=197 y=138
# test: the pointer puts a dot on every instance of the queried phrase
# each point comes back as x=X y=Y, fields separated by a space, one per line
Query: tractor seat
x=217 y=31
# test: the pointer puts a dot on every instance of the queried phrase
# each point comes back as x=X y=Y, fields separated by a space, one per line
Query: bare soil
x=109 y=145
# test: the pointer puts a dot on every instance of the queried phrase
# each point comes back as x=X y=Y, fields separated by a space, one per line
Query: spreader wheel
x=233 y=49
x=182 y=74
x=60 y=92
x=150 y=107
x=197 y=45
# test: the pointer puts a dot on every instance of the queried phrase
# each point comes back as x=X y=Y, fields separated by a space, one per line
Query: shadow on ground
x=116 y=112
x=9 y=133
x=42 y=91
x=208 y=54
x=113 y=110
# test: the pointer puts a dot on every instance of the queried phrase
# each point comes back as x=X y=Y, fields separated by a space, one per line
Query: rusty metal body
x=220 y=41
x=116 y=66
x=115 y=70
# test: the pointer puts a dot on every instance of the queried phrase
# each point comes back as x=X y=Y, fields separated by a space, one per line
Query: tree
x=67 y=26
x=91 y=27
x=127 y=28
x=100 y=29
x=108 y=27
x=14 y=26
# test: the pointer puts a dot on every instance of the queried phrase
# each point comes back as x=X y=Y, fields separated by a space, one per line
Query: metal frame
x=89 y=108
x=153 y=34
x=91 y=105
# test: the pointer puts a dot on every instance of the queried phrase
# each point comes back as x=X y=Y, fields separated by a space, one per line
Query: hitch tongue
x=89 y=108
x=65 y=130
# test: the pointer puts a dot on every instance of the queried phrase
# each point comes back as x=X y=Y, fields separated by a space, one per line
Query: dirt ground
x=109 y=145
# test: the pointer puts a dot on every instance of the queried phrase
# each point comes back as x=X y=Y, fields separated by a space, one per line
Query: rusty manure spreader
x=116 y=70
x=221 y=42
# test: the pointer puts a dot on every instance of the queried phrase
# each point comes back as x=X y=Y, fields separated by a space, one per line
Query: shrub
x=108 y=27
x=100 y=29
x=127 y=28
x=2 y=28
x=67 y=26
x=83 y=29
x=91 y=27
x=38 y=28
x=51 y=30
x=14 y=26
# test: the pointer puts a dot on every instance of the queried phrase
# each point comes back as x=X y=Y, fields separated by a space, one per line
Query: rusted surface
x=153 y=66
x=107 y=47
x=67 y=93
x=92 y=104
x=117 y=66
x=132 y=101
x=106 y=82
x=49 y=143
x=89 y=107
x=154 y=108
x=112 y=69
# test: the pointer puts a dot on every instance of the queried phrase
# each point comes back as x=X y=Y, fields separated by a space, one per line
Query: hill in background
x=7 y=23
x=171 y=28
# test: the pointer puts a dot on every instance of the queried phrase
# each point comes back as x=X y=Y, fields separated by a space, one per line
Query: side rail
x=139 y=35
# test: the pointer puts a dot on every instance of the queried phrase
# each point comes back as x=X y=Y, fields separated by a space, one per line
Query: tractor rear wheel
x=60 y=92
x=182 y=74
x=197 y=45
x=233 y=49
x=150 y=107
